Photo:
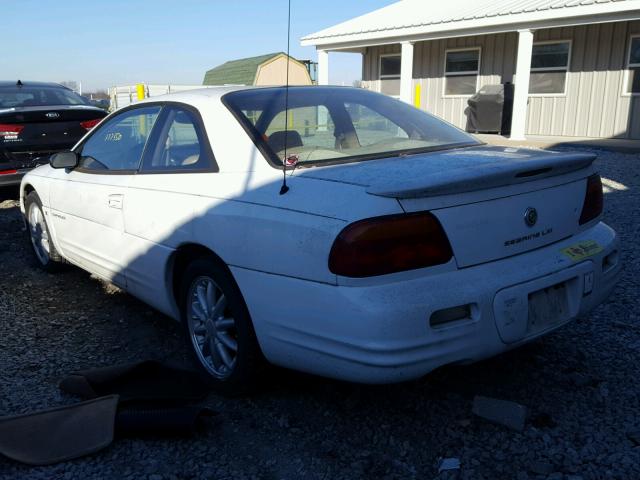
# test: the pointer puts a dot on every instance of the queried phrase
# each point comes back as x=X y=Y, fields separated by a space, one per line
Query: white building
x=575 y=64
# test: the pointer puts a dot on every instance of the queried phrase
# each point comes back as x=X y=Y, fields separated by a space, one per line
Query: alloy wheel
x=212 y=328
x=38 y=233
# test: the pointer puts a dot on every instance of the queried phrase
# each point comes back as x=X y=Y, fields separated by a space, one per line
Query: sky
x=120 y=42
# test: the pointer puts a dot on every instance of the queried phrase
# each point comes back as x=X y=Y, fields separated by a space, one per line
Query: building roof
x=424 y=19
x=237 y=72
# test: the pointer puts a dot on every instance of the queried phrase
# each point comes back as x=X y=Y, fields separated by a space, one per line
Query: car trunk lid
x=488 y=230
x=43 y=130
x=493 y=202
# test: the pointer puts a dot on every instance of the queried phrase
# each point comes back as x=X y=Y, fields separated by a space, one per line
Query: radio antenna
x=284 y=188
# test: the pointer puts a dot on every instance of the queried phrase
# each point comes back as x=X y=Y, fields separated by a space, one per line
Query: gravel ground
x=579 y=384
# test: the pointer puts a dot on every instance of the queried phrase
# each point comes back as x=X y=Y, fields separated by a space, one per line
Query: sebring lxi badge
x=530 y=216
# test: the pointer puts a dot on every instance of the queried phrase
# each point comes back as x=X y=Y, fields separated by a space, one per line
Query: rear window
x=337 y=125
x=31 y=96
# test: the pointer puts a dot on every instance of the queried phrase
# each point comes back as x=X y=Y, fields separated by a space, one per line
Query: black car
x=36 y=120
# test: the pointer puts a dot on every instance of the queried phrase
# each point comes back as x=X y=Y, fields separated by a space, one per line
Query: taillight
x=7 y=172
x=89 y=124
x=593 y=199
x=393 y=243
x=9 y=131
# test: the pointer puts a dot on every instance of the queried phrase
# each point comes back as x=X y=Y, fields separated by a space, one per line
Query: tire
x=45 y=253
x=222 y=343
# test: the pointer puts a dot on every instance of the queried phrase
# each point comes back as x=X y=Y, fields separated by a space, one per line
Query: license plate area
x=547 y=307
x=530 y=308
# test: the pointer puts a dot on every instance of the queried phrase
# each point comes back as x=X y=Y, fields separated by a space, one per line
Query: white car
x=399 y=243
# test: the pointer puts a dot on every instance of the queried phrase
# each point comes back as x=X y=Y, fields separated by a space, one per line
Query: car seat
x=277 y=140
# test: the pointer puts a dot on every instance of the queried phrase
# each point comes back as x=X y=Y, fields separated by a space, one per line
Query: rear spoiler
x=484 y=175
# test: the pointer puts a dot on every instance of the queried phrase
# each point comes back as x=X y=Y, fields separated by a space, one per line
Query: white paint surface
x=406 y=73
x=521 y=92
x=323 y=67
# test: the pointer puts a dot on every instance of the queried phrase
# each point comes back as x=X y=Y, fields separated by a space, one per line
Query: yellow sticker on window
x=582 y=250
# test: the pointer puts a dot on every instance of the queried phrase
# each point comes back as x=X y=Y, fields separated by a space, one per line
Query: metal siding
x=634 y=114
x=595 y=93
x=594 y=104
x=615 y=102
x=497 y=60
x=433 y=78
x=633 y=110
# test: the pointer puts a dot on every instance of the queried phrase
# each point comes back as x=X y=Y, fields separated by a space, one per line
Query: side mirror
x=64 y=160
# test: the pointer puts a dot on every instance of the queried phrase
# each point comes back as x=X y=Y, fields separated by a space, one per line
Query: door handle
x=115 y=201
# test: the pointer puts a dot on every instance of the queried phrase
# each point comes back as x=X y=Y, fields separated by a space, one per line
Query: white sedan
x=399 y=243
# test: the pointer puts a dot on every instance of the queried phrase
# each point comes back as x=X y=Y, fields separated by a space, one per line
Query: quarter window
x=549 y=65
x=390 y=74
x=118 y=144
x=461 y=71
x=181 y=144
x=633 y=65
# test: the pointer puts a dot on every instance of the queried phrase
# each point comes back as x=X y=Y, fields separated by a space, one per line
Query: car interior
x=181 y=146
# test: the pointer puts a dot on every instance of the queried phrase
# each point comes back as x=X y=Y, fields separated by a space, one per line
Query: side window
x=461 y=71
x=118 y=144
x=549 y=65
x=633 y=66
x=181 y=144
x=390 y=75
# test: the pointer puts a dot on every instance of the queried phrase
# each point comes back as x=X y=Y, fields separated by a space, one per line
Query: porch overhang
x=355 y=41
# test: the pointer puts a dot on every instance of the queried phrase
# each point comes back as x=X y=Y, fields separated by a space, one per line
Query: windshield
x=26 y=96
x=336 y=125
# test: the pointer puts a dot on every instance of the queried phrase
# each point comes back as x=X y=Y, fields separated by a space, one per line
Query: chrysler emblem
x=530 y=216
x=52 y=115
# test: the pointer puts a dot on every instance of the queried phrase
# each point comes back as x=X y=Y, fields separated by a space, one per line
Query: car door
x=159 y=209
x=87 y=202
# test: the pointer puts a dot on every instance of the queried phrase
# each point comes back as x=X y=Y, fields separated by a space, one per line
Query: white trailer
x=127 y=94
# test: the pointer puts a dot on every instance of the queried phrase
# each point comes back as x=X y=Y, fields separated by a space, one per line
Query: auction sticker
x=582 y=250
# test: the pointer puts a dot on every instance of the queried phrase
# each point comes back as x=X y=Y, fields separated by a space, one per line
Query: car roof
x=13 y=83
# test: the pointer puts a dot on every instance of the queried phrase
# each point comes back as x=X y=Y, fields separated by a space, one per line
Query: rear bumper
x=11 y=179
x=382 y=334
x=21 y=162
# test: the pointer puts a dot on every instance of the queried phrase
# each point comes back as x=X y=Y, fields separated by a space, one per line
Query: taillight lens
x=89 y=124
x=593 y=200
x=393 y=243
x=7 y=172
x=9 y=130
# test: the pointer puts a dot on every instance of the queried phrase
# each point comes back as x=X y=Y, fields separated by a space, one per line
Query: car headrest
x=277 y=139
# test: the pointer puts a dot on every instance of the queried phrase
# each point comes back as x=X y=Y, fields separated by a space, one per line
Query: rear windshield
x=27 y=96
x=337 y=125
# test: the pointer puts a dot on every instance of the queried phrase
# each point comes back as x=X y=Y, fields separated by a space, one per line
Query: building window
x=633 y=66
x=549 y=65
x=461 y=71
x=390 y=74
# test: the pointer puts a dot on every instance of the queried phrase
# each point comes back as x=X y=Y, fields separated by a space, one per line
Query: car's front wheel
x=218 y=328
x=45 y=252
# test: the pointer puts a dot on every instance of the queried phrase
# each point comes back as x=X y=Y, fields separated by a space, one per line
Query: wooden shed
x=263 y=70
